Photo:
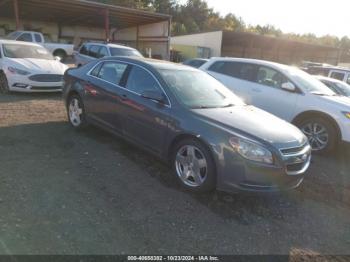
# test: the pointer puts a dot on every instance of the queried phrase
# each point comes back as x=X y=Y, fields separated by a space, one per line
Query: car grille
x=289 y=151
x=46 y=78
x=46 y=88
x=296 y=159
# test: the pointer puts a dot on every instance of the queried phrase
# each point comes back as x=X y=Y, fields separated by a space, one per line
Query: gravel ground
x=68 y=192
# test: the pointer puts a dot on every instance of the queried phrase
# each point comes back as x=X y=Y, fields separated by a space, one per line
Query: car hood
x=254 y=122
x=39 y=65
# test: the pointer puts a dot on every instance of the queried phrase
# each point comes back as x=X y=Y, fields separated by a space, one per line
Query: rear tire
x=4 y=87
x=76 y=112
x=323 y=136
x=60 y=53
x=193 y=166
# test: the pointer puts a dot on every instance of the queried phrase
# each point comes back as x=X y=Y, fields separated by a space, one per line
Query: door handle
x=257 y=90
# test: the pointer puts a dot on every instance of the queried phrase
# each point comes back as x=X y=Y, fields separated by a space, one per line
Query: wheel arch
x=312 y=114
x=59 y=50
x=184 y=136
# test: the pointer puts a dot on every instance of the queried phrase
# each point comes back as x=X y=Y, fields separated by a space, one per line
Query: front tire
x=193 y=166
x=322 y=135
x=4 y=87
x=76 y=112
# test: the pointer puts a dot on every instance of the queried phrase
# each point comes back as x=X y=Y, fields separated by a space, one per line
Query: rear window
x=124 y=52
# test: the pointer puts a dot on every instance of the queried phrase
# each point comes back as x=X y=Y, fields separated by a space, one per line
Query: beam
x=107 y=25
x=15 y=6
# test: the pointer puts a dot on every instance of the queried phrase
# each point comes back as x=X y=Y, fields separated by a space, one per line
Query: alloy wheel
x=317 y=134
x=3 y=84
x=191 y=166
x=75 y=112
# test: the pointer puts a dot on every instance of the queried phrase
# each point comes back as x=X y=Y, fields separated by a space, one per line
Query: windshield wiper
x=208 y=107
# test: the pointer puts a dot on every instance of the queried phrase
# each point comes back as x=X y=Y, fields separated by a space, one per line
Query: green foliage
x=195 y=16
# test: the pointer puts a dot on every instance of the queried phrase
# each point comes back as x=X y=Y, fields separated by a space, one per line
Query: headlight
x=251 y=151
x=347 y=114
x=14 y=70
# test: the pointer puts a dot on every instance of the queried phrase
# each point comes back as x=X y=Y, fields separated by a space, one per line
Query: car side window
x=103 y=52
x=112 y=72
x=84 y=50
x=140 y=80
x=93 y=51
x=239 y=70
x=26 y=37
x=270 y=77
x=37 y=38
x=96 y=70
x=338 y=75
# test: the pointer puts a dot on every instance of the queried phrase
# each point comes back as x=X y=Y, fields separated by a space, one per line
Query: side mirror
x=289 y=87
x=57 y=58
x=153 y=95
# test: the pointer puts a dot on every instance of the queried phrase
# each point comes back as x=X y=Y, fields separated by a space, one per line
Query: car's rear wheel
x=61 y=54
x=321 y=133
x=4 y=87
x=194 y=166
x=76 y=112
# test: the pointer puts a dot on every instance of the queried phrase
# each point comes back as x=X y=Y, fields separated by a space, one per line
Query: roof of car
x=5 y=41
x=110 y=45
x=328 y=79
x=148 y=62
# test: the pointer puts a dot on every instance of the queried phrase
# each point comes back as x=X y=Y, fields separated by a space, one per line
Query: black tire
x=209 y=183
x=60 y=53
x=333 y=137
x=4 y=87
x=83 y=123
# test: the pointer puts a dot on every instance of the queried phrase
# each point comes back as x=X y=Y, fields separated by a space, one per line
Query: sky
x=320 y=17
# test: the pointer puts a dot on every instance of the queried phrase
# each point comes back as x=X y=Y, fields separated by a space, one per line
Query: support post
x=106 y=13
x=137 y=37
x=15 y=6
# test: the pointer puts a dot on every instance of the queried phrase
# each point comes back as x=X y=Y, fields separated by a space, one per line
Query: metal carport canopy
x=78 y=12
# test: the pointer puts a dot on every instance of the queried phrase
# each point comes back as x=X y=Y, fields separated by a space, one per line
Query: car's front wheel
x=76 y=112
x=4 y=87
x=321 y=133
x=194 y=166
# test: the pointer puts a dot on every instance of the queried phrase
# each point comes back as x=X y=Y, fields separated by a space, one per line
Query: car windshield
x=26 y=51
x=196 y=89
x=309 y=83
x=124 y=52
x=344 y=88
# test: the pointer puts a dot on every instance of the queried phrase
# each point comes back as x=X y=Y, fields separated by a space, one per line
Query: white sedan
x=28 y=67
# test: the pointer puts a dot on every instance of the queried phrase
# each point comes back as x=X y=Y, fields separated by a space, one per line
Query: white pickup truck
x=60 y=50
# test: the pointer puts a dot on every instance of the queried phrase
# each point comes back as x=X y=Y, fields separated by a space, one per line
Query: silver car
x=91 y=51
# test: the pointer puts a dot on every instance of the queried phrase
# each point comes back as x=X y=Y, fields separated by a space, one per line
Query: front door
x=267 y=93
x=144 y=121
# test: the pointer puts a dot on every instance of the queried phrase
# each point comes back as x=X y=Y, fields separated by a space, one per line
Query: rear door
x=103 y=94
x=236 y=76
x=144 y=121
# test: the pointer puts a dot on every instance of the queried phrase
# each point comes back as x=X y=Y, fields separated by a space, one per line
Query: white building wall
x=212 y=40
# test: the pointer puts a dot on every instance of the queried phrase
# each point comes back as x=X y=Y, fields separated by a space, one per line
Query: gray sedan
x=184 y=116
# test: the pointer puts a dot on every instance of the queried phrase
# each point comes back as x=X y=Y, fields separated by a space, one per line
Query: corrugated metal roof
x=79 y=12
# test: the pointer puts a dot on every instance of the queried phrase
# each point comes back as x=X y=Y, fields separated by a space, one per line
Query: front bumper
x=238 y=174
x=345 y=130
x=18 y=83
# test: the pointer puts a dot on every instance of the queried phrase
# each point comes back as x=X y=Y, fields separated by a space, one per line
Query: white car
x=28 y=67
x=290 y=94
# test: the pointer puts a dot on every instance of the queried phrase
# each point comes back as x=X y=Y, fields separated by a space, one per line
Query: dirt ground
x=68 y=192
